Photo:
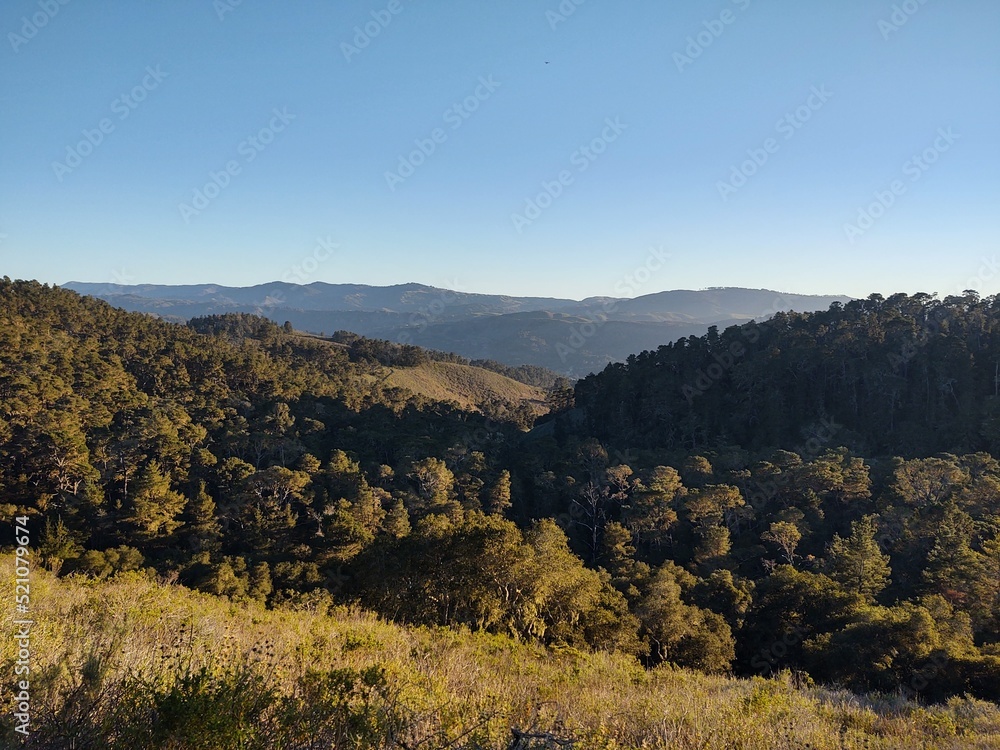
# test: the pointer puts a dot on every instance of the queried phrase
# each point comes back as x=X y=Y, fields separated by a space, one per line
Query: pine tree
x=857 y=562
x=959 y=573
x=202 y=525
x=260 y=586
x=499 y=500
x=397 y=521
x=155 y=505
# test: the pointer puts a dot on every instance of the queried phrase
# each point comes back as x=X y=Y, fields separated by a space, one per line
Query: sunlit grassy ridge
x=468 y=386
x=130 y=662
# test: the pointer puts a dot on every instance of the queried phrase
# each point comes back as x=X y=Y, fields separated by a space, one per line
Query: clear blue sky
x=887 y=92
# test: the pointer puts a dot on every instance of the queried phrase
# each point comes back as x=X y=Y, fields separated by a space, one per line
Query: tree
x=618 y=552
x=713 y=546
x=155 y=506
x=268 y=505
x=102 y=564
x=259 y=585
x=726 y=594
x=342 y=475
x=352 y=524
x=435 y=486
x=57 y=544
x=697 y=471
x=397 y=521
x=228 y=578
x=68 y=457
x=711 y=505
x=923 y=482
x=202 y=526
x=708 y=508
x=958 y=573
x=565 y=601
x=785 y=536
x=790 y=607
x=499 y=499
x=681 y=633
x=650 y=512
x=857 y=562
x=663 y=615
x=884 y=648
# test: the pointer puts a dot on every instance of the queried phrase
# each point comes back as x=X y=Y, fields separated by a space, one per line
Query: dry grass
x=468 y=386
x=428 y=688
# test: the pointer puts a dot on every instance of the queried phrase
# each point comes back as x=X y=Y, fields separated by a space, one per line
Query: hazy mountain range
x=573 y=337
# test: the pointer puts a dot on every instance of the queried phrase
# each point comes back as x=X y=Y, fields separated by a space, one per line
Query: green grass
x=132 y=663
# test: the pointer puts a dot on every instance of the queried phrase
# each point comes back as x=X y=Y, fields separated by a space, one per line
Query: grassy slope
x=469 y=386
x=448 y=381
x=105 y=651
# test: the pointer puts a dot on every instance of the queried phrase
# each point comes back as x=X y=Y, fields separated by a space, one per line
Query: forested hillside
x=903 y=375
x=828 y=503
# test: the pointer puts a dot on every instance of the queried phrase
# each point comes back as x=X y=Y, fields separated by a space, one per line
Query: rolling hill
x=704 y=527
x=468 y=386
x=573 y=337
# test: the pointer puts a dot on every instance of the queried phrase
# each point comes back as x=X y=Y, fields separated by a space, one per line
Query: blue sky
x=840 y=147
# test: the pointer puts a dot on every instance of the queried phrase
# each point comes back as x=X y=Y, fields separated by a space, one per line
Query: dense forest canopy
x=907 y=375
x=815 y=492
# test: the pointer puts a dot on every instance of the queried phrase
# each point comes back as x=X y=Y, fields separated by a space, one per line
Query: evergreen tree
x=155 y=507
x=201 y=524
x=857 y=562
x=499 y=500
x=397 y=521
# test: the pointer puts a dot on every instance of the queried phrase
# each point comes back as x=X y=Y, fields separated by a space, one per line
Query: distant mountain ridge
x=573 y=337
